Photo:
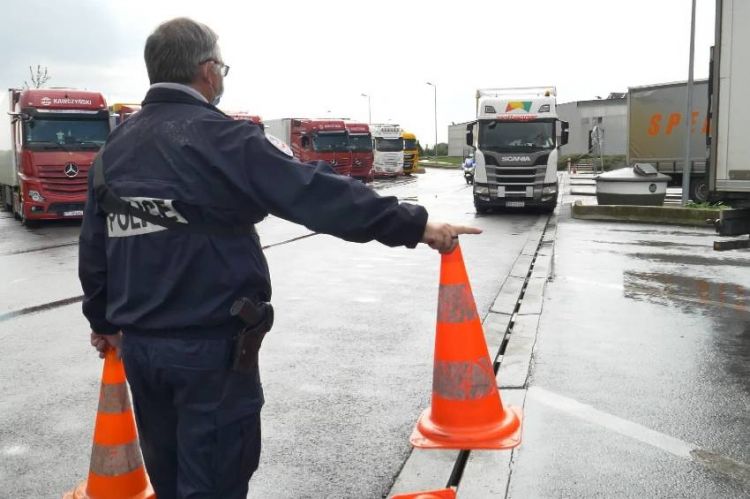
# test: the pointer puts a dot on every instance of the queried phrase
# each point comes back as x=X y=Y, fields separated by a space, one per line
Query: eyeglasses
x=223 y=68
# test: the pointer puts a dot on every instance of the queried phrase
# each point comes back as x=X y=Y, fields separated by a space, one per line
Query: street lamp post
x=688 y=114
x=369 y=109
x=434 y=149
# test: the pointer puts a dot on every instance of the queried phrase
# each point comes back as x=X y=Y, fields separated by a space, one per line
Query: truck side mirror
x=564 y=133
x=470 y=135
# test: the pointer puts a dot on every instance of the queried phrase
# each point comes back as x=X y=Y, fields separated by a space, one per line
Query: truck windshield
x=513 y=136
x=65 y=134
x=410 y=144
x=331 y=141
x=360 y=143
x=389 y=145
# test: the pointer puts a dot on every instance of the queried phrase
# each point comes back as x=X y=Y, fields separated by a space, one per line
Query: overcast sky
x=316 y=58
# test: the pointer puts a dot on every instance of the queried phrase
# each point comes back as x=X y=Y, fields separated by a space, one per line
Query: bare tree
x=38 y=78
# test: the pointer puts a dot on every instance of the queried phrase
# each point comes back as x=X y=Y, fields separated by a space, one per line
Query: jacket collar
x=172 y=96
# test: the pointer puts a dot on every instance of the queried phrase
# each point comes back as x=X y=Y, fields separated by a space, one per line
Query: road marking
x=672 y=445
x=589 y=282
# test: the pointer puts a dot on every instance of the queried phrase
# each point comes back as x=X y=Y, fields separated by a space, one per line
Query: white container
x=640 y=185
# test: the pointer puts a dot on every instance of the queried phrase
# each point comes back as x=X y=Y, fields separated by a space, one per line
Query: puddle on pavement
x=712 y=261
x=665 y=232
x=727 y=305
x=654 y=244
x=688 y=292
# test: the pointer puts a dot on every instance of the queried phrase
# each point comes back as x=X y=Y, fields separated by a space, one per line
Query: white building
x=610 y=115
x=457 y=140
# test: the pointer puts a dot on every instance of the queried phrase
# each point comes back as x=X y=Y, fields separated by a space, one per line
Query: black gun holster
x=258 y=320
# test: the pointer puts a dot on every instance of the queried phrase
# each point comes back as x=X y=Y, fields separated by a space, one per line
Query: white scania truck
x=388 y=150
x=516 y=138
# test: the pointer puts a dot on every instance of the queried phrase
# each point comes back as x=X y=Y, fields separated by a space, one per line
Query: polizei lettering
x=119 y=225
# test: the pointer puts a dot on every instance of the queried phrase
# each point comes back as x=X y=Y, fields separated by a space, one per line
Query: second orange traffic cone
x=466 y=410
x=116 y=470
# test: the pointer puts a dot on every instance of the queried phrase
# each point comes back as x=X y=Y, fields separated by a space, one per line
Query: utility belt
x=258 y=319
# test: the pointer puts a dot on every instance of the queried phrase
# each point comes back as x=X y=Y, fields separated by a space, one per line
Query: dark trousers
x=198 y=422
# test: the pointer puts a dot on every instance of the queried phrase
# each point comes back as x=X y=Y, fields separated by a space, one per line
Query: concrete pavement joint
x=75 y=299
x=40 y=248
x=39 y=308
x=715 y=462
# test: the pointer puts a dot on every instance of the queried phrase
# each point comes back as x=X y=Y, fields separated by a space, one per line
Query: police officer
x=163 y=296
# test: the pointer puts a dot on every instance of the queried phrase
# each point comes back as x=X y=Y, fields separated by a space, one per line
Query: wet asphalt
x=640 y=382
x=346 y=370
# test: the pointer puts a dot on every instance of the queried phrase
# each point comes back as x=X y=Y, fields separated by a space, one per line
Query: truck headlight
x=35 y=196
x=482 y=190
x=550 y=189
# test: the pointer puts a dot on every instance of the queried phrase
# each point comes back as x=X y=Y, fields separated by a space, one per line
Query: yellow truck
x=411 y=153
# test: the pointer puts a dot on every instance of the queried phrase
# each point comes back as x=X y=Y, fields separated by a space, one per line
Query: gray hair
x=176 y=48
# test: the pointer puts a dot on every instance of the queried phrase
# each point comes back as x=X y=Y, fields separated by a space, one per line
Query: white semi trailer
x=729 y=147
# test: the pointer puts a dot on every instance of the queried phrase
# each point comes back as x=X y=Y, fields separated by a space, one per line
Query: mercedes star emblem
x=71 y=170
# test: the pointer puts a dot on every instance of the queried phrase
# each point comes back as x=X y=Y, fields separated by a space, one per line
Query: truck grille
x=54 y=180
x=516 y=175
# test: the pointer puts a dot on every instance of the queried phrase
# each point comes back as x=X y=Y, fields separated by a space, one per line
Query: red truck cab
x=252 y=118
x=360 y=143
x=322 y=140
x=54 y=136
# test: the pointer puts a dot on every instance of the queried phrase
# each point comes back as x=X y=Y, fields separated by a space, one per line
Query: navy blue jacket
x=182 y=158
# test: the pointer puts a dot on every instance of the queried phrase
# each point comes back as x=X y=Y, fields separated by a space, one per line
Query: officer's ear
x=204 y=71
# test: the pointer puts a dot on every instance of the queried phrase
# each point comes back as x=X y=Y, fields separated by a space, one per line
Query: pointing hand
x=443 y=237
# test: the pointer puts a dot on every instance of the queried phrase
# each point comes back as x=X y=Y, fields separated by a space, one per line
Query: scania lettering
x=515 y=141
x=315 y=140
x=48 y=140
x=388 y=148
x=360 y=142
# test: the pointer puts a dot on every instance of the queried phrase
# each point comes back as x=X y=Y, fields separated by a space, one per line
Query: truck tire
x=698 y=189
x=481 y=209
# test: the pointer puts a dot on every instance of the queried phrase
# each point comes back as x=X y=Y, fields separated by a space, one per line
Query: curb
x=440 y=165
x=671 y=215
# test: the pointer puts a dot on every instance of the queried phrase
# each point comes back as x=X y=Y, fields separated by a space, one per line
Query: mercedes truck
x=48 y=140
x=315 y=140
x=516 y=138
x=360 y=142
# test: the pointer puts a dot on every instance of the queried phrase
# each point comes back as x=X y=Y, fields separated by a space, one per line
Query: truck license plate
x=76 y=213
x=515 y=204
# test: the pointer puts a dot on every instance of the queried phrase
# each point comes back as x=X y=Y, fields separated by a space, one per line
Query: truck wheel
x=15 y=206
x=481 y=209
x=699 y=189
x=30 y=224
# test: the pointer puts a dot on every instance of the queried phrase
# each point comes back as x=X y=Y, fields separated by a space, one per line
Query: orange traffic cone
x=116 y=470
x=466 y=410
x=428 y=494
